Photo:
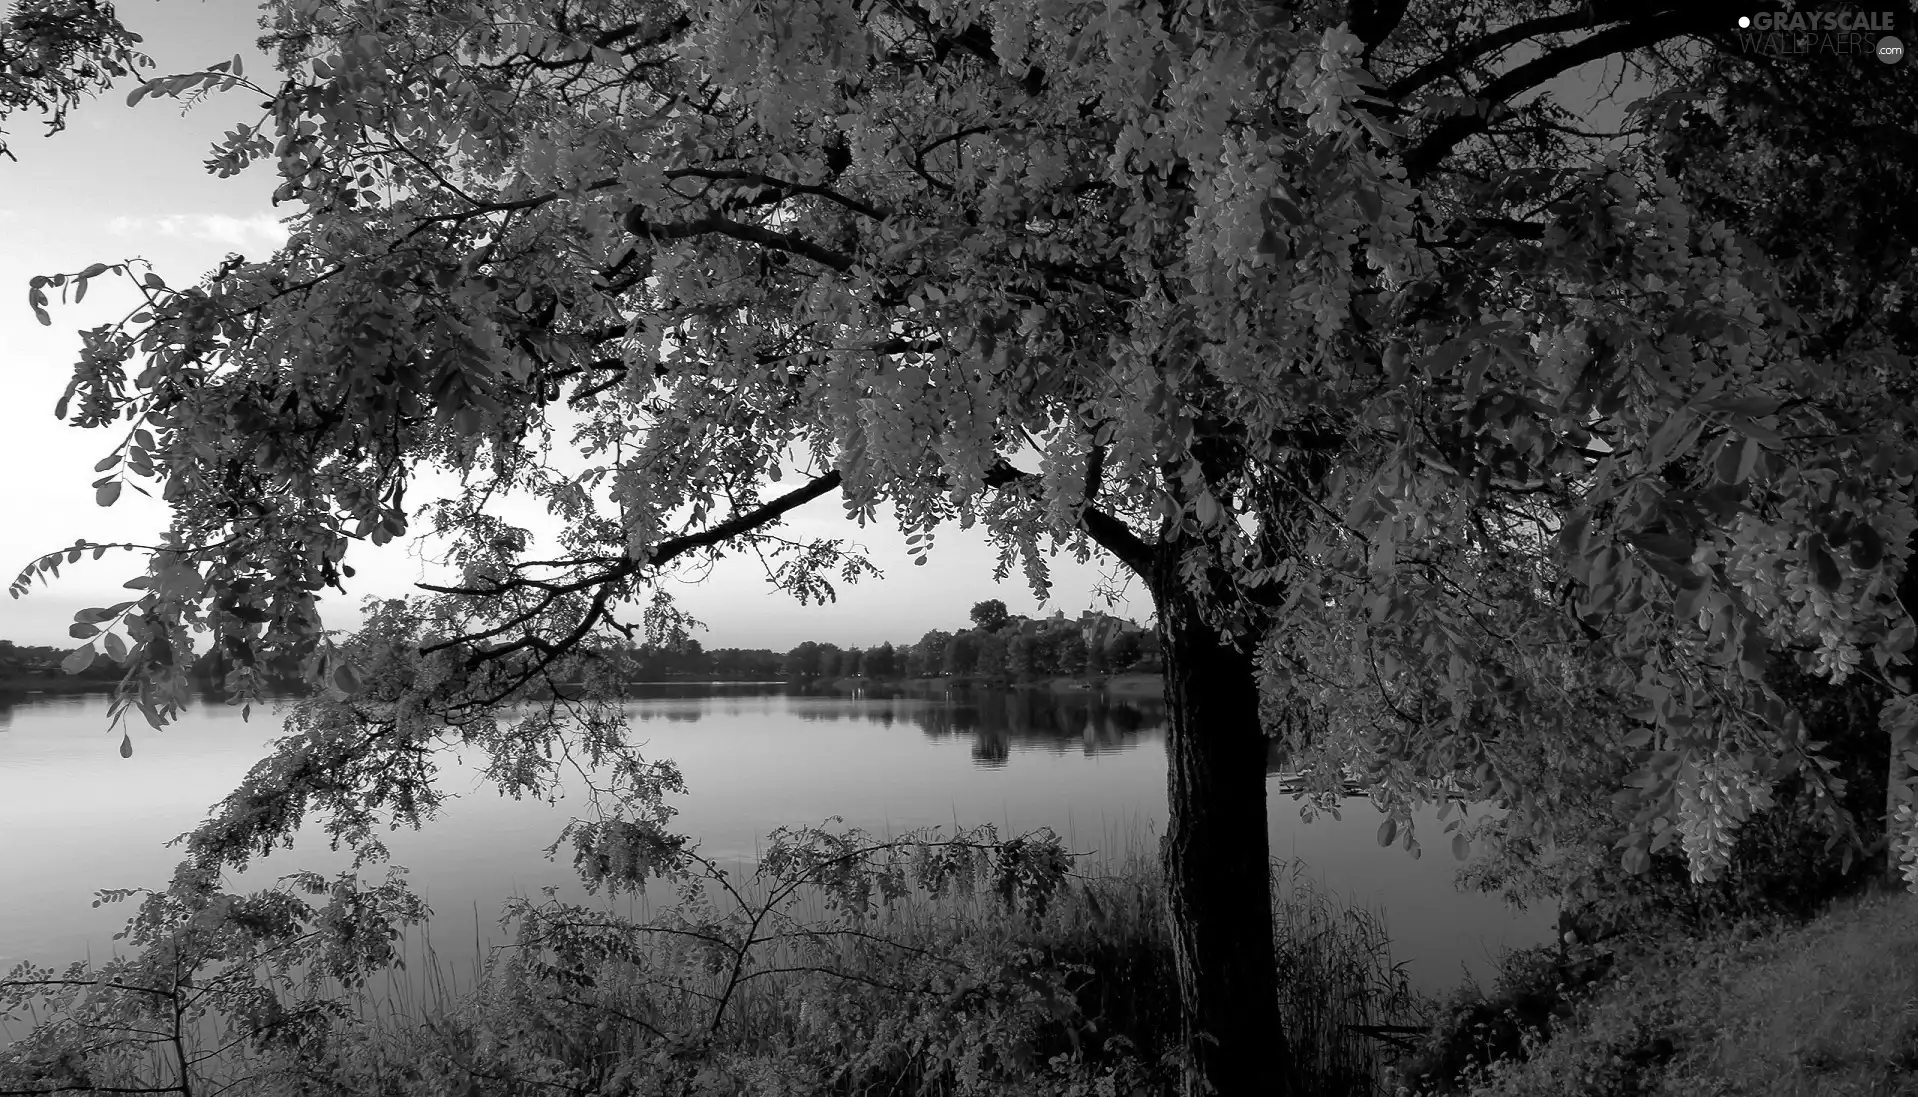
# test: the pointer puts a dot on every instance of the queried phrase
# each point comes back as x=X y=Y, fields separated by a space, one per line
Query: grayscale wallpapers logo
x=1810 y=33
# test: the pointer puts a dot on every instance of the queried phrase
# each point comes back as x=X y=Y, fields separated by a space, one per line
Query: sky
x=128 y=182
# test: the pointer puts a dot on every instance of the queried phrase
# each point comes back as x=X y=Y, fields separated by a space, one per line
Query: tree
x=803 y=660
x=927 y=658
x=1121 y=651
x=1047 y=638
x=1843 y=228
x=1072 y=653
x=881 y=662
x=991 y=665
x=1274 y=325
x=990 y=615
x=1095 y=657
x=1019 y=660
x=962 y=654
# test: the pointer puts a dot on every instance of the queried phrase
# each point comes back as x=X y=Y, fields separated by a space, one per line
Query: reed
x=967 y=987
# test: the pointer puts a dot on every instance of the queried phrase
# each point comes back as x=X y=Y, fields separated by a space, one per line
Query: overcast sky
x=124 y=182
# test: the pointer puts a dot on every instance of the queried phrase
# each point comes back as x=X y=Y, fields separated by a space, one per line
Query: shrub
x=951 y=965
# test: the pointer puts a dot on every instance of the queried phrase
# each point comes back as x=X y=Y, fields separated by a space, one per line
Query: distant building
x=1096 y=627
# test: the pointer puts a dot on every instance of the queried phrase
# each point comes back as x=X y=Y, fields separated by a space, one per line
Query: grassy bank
x=1827 y=1008
x=1150 y=686
x=948 y=994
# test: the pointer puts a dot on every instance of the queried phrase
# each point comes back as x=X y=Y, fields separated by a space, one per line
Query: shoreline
x=1130 y=686
x=28 y=685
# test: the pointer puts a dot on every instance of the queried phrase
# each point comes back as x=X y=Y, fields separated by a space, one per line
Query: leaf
x=1636 y=860
x=126 y=745
x=1461 y=846
x=79 y=660
x=1727 y=464
x=1388 y=830
x=1824 y=569
x=106 y=493
x=1571 y=535
x=346 y=680
x=1207 y=508
x=80 y=630
x=1748 y=455
x=1666 y=439
x=1286 y=209
x=1867 y=548
x=116 y=647
x=1670 y=546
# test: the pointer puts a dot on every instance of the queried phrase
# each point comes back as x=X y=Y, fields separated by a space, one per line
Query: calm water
x=76 y=817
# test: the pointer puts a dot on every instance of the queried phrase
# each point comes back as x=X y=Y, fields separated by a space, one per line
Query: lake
x=77 y=817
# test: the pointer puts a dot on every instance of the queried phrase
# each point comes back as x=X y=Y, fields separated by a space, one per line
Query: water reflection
x=1000 y=722
x=754 y=758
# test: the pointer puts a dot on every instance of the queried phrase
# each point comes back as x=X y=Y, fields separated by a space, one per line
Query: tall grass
x=973 y=986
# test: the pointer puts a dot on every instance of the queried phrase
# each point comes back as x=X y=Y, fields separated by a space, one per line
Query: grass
x=949 y=994
x=1824 y=1009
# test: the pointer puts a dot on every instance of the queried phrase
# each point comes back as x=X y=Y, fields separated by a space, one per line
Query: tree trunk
x=1217 y=864
x=1896 y=773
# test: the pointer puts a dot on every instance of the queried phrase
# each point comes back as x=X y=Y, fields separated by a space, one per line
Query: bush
x=960 y=965
x=1823 y=1008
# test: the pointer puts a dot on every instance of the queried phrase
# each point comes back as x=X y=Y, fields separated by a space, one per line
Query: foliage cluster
x=1823 y=1008
x=1778 y=864
x=53 y=53
x=1535 y=993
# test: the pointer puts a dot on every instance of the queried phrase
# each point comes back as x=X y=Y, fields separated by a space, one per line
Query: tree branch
x=1111 y=534
x=1671 y=22
x=745 y=523
x=750 y=234
x=784 y=186
x=661 y=553
x=1454 y=60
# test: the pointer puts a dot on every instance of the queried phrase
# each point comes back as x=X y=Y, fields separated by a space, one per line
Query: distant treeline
x=27 y=666
x=999 y=647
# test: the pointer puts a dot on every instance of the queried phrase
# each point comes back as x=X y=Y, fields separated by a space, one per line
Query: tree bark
x=1896 y=773
x=1216 y=857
